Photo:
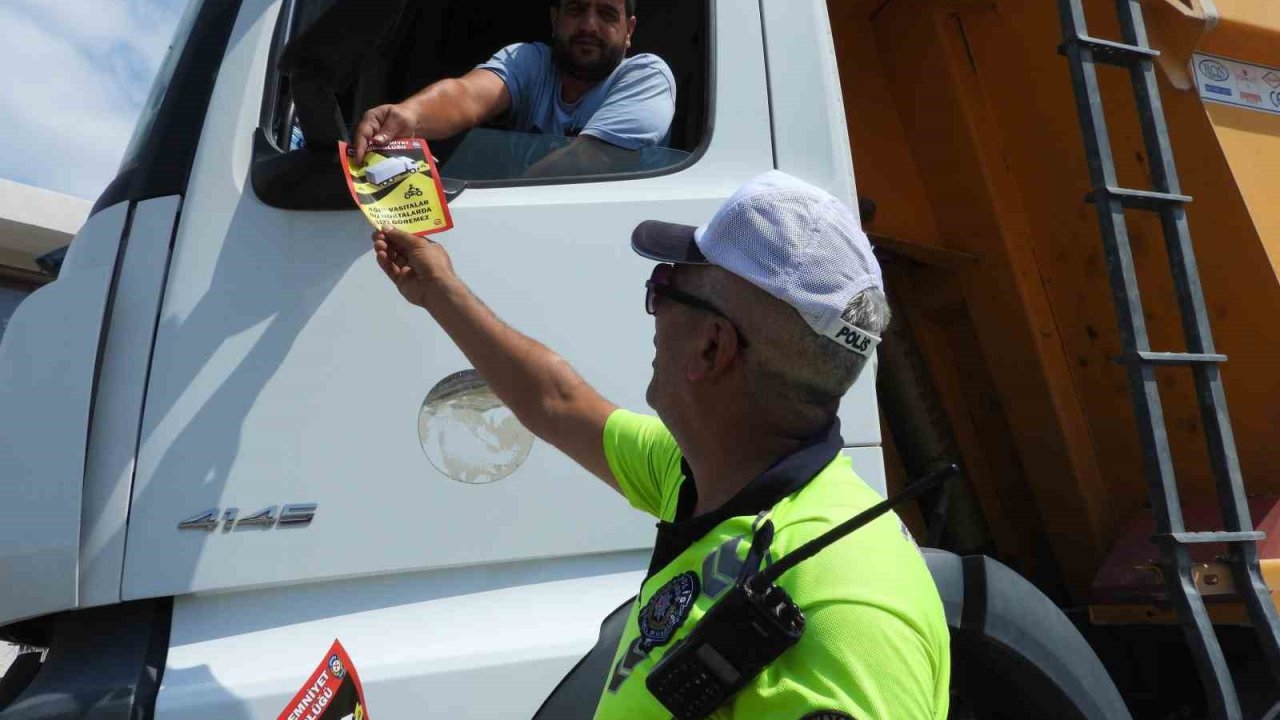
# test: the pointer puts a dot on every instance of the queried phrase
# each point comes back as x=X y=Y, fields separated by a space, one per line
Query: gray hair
x=801 y=375
x=797 y=375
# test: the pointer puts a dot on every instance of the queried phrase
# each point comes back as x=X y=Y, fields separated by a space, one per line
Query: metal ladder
x=1110 y=200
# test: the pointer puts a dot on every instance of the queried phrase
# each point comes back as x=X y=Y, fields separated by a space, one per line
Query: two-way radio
x=755 y=623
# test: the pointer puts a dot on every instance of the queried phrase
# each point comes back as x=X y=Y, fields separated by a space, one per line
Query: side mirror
x=333 y=43
x=326 y=56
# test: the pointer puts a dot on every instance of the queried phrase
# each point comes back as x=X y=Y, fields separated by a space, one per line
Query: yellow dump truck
x=978 y=131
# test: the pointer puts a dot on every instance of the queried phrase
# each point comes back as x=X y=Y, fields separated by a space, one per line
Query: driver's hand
x=416 y=265
x=383 y=124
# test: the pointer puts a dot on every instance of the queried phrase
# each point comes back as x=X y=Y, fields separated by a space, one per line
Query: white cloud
x=73 y=78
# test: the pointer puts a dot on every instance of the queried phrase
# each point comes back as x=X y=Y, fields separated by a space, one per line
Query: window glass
x=638 y=111
x=161 y=84
x=489 y=154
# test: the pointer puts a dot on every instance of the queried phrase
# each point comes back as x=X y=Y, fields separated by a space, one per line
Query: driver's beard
x=610 y=58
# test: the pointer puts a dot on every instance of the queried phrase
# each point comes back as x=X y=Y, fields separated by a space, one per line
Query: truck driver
x=764 y=317
x=581 y=86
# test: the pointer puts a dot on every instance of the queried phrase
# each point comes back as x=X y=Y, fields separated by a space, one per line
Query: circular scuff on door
x=468 y=434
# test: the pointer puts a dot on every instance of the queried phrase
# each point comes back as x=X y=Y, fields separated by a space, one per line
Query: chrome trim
x=292 y=515
x=264 y=518
x=297 y=515
x=207 y=521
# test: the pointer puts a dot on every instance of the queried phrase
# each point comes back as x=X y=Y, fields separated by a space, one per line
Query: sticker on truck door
x=1231 y=82
x=333 y=692
x=398 y=185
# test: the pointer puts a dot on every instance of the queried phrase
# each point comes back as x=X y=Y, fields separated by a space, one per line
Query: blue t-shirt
x=631 y=109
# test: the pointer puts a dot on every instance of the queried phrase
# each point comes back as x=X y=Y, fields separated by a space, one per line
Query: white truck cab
x=226 y=442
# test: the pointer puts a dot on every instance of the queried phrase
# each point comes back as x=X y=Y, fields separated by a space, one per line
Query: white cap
x=795 y=241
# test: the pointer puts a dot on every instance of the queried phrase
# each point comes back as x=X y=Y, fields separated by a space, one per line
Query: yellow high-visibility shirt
x=875 y=644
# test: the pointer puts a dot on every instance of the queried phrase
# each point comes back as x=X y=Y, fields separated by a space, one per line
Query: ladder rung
x=1140 y=199
x=1167 y=358
x=1110 y=52
x=1219 y=536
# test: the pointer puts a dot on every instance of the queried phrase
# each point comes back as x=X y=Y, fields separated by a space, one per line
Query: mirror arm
x=318 y=110
x=452 y=188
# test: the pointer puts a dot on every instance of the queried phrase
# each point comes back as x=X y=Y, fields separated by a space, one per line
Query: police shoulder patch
x=667 y=610
x=827 y=715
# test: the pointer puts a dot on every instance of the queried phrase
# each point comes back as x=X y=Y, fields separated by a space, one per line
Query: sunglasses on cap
x=659 y=286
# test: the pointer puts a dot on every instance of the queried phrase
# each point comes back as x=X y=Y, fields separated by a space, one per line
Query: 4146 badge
x=398 y=185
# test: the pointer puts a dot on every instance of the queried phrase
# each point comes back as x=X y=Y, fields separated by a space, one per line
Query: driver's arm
x=440 y=110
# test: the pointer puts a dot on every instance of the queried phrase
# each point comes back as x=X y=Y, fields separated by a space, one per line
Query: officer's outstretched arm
x=543 y=391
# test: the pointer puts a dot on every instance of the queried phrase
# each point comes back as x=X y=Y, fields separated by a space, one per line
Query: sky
x=74 y=75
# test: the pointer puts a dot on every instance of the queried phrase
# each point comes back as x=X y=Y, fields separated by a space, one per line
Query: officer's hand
x=383 y=124
x=416 y=265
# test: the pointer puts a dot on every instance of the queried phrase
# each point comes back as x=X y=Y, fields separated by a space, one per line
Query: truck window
x=160 y=86
x=429 y=42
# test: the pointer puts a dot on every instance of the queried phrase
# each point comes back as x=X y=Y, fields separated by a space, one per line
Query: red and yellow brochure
x=398 y=185
x=333 y=692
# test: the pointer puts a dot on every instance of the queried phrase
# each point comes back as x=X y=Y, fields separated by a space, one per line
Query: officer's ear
x=631 y=29
x=555 y=17
x=718 y=346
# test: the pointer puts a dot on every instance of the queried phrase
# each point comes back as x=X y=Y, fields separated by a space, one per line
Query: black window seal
x=165 y=158
x=22 y=280
x=266 y=149
x=273 y=81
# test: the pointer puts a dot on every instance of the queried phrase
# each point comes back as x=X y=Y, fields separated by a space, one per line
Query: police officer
x=764 y=318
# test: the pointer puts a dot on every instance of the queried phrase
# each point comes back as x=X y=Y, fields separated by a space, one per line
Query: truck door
x=287 y=371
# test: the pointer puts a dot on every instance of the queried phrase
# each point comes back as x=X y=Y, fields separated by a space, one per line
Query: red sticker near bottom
x=333 y=692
